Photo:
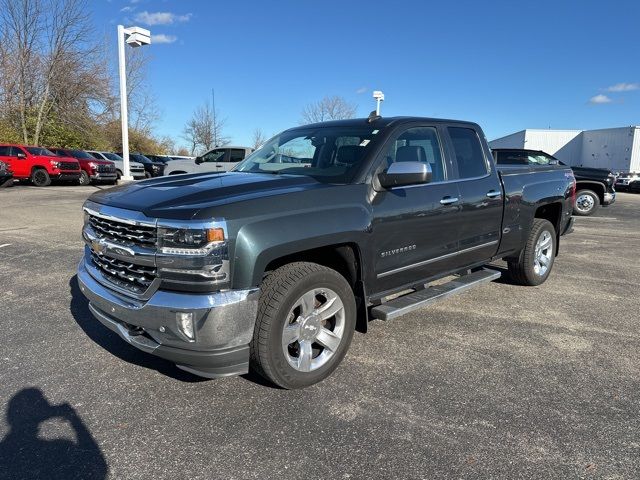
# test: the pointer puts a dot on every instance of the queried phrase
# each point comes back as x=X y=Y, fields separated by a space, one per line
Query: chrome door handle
x=493 y=194
x=448 y=200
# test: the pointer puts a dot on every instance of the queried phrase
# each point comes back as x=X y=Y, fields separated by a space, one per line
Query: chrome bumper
x=223 y=323
x=609 y=198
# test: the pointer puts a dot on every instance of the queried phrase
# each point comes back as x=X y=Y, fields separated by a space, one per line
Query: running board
x=415 y=300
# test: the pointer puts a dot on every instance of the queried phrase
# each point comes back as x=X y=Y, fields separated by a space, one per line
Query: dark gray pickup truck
x=275 y=264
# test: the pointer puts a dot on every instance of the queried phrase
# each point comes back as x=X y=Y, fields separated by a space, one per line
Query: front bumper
x=104 y=177
x=223 y=323
x=609 y=198
x=66 y=176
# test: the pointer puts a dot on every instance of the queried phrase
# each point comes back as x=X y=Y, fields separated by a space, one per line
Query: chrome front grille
x=136 y=278
x=123 y=233
x=101 y=168
x=68 y=166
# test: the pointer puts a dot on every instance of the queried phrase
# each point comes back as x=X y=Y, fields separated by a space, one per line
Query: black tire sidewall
x=84 y=178
x=286 y=375
x=540 y=227
x=46 y=179
x=596 y=203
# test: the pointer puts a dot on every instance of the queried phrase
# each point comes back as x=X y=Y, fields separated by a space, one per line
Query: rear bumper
x=223 y=323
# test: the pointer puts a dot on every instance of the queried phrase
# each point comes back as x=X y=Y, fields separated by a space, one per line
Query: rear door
x=5 y=156
x=480 y=201
x=236 y=155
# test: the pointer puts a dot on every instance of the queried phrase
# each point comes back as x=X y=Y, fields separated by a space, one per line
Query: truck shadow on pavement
x=115 y=345
x=25 y=455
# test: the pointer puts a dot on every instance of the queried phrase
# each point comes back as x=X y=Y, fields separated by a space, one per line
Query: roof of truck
x=382 y=122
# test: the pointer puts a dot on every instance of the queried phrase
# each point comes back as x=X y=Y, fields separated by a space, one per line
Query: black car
x=6 y=175
x=151 y=167
x=595 y=186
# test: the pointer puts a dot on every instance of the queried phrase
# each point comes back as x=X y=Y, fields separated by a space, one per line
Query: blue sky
x=506 y=65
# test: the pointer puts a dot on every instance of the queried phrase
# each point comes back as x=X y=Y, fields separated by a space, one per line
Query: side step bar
x=415 y=300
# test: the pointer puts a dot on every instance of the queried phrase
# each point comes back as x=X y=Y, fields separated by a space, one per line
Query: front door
x=414 y=230
x=212 y=161
x=20 y=166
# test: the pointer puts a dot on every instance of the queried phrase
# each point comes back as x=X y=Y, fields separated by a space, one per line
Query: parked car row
x=41 y=166
x=628 y=182
x=220 y=159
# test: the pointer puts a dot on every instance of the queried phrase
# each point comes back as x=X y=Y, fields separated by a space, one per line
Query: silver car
x=136 y=169
x=220 y=159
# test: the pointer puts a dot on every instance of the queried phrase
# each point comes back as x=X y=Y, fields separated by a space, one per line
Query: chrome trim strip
x=436 y=259
x=449 y=201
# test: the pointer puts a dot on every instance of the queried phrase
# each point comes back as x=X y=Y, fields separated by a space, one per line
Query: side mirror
x=199 y=160
x=405 y=173
x=21 y=156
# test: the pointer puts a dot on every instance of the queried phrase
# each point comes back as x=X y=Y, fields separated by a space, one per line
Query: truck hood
x=183 y=196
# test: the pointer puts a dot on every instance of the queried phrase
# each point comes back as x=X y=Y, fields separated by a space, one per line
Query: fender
x=259 y=243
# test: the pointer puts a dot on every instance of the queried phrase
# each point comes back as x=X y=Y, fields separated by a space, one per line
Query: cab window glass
x=419 y=144
x=215 y=156
x=236 y=155
x=5 y=151
x=468 y=152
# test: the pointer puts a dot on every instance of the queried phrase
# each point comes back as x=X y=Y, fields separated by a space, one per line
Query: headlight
x=183 y=241
x=155 y=167
x=54 y=163
x=92 y=165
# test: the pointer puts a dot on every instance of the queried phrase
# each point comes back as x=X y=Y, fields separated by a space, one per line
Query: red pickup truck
x=93 y=170
x=38 y=164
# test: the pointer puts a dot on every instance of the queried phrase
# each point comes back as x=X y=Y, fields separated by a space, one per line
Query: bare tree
x=329 y=108
x=259 y=138
x=204 y=130
x=47 y=48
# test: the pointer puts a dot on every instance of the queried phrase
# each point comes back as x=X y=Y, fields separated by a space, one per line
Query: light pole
x=136 y=37
x=379 y=97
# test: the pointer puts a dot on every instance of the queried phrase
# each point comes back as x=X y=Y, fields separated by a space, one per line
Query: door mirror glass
x=198 y=160
x=405 y=173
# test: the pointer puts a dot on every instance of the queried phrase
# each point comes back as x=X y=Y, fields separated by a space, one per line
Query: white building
x=617 y=149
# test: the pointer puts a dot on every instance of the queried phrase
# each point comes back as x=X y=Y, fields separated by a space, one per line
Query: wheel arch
x=553 y=213
x=597 y=187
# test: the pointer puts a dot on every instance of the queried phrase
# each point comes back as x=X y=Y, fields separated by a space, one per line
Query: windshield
x=112 y=156
x=81 y=154
x=40 y=151
x=328 y=154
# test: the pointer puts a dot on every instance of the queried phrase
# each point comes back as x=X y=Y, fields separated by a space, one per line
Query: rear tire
x=587 y=202
x=40 y=178
x=535 y=262
x=305 y=323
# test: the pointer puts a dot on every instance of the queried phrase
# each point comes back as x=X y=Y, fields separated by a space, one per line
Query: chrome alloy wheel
x=543 y=253
x=313 y=330
x=585 y=203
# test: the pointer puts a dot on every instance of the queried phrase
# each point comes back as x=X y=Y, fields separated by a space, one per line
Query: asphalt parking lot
x=502 y=381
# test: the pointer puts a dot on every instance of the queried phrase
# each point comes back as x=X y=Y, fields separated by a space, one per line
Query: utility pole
x=215 y=123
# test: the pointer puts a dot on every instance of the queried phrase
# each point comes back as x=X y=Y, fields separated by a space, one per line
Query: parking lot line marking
x=5 y=245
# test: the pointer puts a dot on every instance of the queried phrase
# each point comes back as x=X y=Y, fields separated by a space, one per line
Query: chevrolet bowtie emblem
x=98 y=246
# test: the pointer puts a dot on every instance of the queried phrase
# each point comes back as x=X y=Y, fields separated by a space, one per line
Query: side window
x=214 y=156
x=5 y=151
x=15 y=151
x=539 y=159
x=468 y=152
x=512 y=158
x=236 y=155
x=419 y=144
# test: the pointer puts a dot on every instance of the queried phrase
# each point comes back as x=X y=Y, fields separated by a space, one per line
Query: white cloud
x=623 y=87
x=162 y=38
x=599 y=99
x=127 y=9
x=161 y=18
x=361 y=90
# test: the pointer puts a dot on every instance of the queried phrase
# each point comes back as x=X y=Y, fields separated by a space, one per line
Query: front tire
x=535 y=262
x=84 y=178
x=587 y=202
x=40 y=178
x=305 y=323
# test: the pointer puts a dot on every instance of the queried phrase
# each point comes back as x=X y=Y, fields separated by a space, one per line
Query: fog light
x=185 y=324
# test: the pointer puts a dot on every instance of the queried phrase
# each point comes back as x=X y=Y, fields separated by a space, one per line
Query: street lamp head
x=137 y=37
x=378 y=95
